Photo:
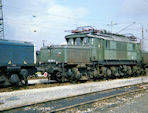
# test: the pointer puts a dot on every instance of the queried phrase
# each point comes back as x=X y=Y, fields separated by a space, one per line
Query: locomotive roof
x=13 y=42
x=105 y=36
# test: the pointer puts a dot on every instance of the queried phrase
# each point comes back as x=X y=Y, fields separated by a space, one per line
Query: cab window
x=134 y=46
x=70 y=41
x=85 y=41
x=107 y=44
x=78 y=41
x=91 y=41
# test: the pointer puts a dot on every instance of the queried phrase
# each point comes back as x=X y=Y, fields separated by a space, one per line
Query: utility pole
x=43 y=41
x=111 y=25
x=142 y=32
x=142 y=35
x=1 y=22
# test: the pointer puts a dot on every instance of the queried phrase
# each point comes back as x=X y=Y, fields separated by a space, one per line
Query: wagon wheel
x=15 y=80
x=24 y=81
x=4 y=81
x=24 y=77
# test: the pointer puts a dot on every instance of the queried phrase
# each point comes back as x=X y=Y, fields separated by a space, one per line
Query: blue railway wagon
x=17 y=61
x=16 y=53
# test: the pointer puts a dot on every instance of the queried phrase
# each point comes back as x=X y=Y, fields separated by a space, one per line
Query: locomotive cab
x=79 y=41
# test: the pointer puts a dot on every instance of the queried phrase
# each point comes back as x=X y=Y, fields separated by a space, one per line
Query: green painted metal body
x=122 y=51
x=65 y=54
x=98 y=48
x=145 y=57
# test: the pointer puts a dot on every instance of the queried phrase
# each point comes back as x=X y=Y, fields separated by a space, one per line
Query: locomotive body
x=92 y=54
x=17 y=60
x=65 y=54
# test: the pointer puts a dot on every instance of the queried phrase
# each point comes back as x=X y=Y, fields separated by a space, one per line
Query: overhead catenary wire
x=38 y=25
x=126 y=27
x=36 y=13
x=38 y=22
x=33 y=12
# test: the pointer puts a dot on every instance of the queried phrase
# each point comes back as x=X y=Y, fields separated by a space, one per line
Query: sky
x=46 y=20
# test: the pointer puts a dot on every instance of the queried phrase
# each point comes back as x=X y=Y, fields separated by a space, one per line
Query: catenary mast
x=1 y=22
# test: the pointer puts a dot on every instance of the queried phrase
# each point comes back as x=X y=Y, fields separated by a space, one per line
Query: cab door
x=100 y=49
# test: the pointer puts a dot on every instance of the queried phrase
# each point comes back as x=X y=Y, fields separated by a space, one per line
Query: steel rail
x=99 y=99
x=124 y=90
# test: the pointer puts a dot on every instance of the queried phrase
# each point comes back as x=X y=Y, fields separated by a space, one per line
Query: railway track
x=93 y=97
x=71 y=102
x=33 y=84
x=40 y=81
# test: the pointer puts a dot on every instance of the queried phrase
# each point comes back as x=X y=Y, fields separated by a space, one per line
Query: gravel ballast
x=21 y=98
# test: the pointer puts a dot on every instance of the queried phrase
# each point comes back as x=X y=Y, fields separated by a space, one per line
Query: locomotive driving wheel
x=60 y=77
x=108 y=73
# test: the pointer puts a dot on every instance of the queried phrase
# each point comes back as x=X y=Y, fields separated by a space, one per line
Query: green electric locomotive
x=92 y=54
